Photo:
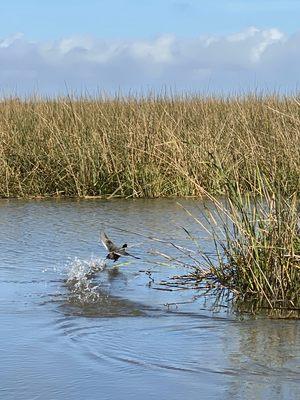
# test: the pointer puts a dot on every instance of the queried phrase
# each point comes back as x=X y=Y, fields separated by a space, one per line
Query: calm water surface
x=112 y=336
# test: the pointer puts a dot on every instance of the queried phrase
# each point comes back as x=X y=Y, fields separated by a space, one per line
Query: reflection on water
x=267 y=352
x=74 y=326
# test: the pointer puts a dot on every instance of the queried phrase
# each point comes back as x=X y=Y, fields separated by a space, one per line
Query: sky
x=208 y=46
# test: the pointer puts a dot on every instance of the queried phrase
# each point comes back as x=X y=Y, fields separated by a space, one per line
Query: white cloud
x=158 y=51
x=246 y=34
x=253 y=58
x=268 y=37
x=6 y=42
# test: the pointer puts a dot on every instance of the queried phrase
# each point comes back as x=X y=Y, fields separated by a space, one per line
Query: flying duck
x=114 y=252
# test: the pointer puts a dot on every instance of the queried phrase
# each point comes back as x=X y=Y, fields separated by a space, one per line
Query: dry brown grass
x=146 y=147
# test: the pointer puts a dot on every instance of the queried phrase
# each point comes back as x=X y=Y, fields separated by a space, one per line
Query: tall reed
x=151 y=146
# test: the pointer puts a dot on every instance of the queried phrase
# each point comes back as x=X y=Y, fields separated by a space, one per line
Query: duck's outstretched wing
x=131 y=255
x=107 y=243
x=122 y=252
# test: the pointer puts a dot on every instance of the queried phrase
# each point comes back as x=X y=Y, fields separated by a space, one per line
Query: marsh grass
x=256 y=237
x=146 y=147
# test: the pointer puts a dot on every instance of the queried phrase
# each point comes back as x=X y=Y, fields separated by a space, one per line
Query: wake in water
x=91 y=297
x=80 y=279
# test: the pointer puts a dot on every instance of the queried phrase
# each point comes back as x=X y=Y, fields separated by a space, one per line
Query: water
x=112 y=335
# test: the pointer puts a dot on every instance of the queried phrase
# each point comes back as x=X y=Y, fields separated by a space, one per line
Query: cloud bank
x=251 y=59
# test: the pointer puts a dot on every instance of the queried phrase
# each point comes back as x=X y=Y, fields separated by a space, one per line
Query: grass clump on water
x=257 y=248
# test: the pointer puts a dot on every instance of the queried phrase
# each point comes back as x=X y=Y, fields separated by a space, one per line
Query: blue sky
x=41 y=20
x=222 y=45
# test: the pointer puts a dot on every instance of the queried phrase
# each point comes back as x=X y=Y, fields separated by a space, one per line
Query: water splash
x=80 y=282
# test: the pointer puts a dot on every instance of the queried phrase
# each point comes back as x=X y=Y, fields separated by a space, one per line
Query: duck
x=114 y=252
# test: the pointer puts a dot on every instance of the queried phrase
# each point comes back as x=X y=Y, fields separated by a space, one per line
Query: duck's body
x=114 y=252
